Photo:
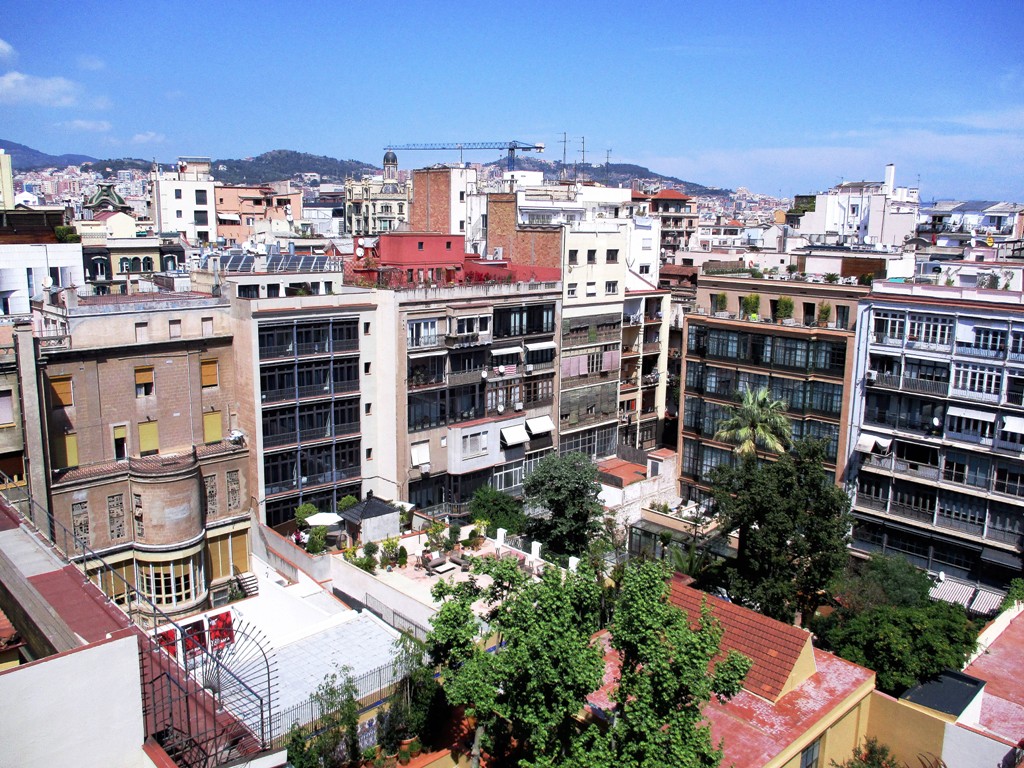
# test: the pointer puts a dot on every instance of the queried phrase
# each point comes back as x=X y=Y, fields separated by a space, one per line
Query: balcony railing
x=455 y=340
x=964 y=526
x=870 y=502
x=917 y=469
x=925 y=386
x=972 y=351
x=972 y=394
x=921 y=514
x=930 y=346
x=886 y=340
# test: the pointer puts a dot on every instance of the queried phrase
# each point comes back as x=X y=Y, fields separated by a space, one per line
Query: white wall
x=94 y=720
x=15 y=260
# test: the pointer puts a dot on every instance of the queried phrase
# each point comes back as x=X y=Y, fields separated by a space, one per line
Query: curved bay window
x=173 y=583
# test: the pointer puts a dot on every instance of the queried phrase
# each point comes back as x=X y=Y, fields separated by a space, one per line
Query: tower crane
x=511 y=147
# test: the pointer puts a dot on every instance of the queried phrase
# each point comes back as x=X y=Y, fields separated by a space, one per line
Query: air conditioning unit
x=518 y=406
x=871 y=375
x=529 y=367
x=425 y=469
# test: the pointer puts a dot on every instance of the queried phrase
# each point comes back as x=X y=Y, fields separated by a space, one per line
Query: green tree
x=526 y=694
x=667 y=676
x=756 y=422
x=333 y=740
x=500 y=509
x=302 y=512
x=1014 y=595
x=566 y=486
x=317 y=540
x=784 y=309
x=881 y=580
x=793 y=524
x=905 y=645
x=346 y=502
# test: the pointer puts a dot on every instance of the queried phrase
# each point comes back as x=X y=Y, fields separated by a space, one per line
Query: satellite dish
x=361 y=241
x=359 y=252
x=47 y=282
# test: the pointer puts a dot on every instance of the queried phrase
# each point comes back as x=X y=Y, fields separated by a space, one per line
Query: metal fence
x=393 y=618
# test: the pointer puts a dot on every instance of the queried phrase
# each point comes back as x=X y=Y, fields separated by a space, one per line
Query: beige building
x=130 y=404
x=243 y=211
x=377 y=204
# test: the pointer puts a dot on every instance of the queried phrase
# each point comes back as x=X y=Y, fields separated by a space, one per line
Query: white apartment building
x=29 y=268
x=937 y=433
x=184 y=201
x=873 y=213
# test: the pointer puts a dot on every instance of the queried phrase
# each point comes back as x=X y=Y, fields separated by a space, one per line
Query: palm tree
x=757 y=422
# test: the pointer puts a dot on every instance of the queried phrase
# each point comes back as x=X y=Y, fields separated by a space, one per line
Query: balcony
x=870 y=502
x=886 y=340
x=928 y=346
x=652 y=347
x=916 y=469
x=424 y=381
x=924 y=386
x=970 y=350
x=472 y=376
x=920 y=514
x=459 y=340
x=963 y=526
x=975 y=395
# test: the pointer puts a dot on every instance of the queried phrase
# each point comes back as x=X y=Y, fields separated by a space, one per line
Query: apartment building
x=183 y=200
x=936 y=455
x=480 y=387
x=806 y=360
x=243 y=211
x=441 y=199
x=130 y=407
x=376 y=204
x=677 y=214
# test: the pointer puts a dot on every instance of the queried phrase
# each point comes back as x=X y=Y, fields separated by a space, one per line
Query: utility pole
x=565 y=141
x=607 y=164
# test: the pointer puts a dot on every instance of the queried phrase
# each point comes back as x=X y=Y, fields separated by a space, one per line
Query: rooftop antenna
x=565 y=140
x=607 y=163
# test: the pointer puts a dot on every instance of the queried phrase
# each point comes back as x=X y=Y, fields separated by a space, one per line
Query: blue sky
x=780 y=97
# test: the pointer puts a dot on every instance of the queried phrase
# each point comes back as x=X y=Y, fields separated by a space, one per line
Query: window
x=177 y=214
x=121 y=443
x=142 y=331
x=366 y=368
x=571 y=291
x=200 y=197
x=462 y=225
x=977 y=378
x=144 y=381
x=6 y=407
x=645 y=269
x=80 y=520
x=447 y=245
x=207 y=327
x=611 y=287
x=61 y=392
x=507 y=477
x=234 y=490
x=210 y=488
x=174 y=329
x=369 y=454
x=592 y=256
x=202 y=236
x=177 y=194
x=573 y=256
x=926 y=329
x=809 y=758
x=611 y=256
x=65 y=451
x=209 y=373
x=115 y=516
x=367 y=408
x=421 y=333
x=366 y=329
x=212 y=427
x=419 y=245
x=140 y=528
x=474 y=444
x=591 y=289
x=149 y=438
x=202 y=218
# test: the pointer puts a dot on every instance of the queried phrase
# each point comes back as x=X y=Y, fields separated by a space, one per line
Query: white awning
x=1013 y=424
x=515 y=435
x=504 y=351
x=865 y=443
x=421 y=453
x=965 y=331
x=540 y=425
x=540 y=345
x=230 y=217
x=955 y=410
x=427 y=352
x=884 y=443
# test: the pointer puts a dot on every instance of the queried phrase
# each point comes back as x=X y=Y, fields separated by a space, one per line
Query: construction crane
x=509 y=146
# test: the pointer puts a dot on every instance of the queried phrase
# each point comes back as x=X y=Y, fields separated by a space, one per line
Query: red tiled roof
x=85 y=609
x=626 y=471
x=671 y=194
x=1001 y=666
x=103 y=215
x=773 y=647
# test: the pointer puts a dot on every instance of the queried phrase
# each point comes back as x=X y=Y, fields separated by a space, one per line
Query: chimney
x=369 y=494
x=890 y=178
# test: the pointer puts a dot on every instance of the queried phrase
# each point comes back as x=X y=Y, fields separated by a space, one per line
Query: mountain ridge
x=284 y=164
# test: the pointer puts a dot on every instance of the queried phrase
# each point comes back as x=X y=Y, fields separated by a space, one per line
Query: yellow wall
x=905 y=729
x=840 y=732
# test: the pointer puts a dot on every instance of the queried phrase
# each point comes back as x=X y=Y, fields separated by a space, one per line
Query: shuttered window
x=143 y=382
x=209 y=373
x=65 y=451
x=61 y=392
x=6 y=407
x=149 y=438
x=212 y=429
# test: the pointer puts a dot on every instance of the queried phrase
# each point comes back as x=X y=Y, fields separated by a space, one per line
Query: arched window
x=126 y=264
x=170 y=264
x=136 y=264
x=147 y=264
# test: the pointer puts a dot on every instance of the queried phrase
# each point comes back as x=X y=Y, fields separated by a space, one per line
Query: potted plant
x=403 y=557
x=752 y=305
x=824 y=313
x=454 y=542
x=391 y=728
x=389 y=550
x=784 y=308
x=435 y=537
x=415 y=748
x=370 y=756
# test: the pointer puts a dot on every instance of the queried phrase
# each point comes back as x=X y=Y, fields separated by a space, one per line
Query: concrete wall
x=353 y=584
x=96 y=719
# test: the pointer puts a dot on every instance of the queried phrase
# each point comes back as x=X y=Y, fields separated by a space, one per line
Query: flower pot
x=415 y=748
x=390 y=761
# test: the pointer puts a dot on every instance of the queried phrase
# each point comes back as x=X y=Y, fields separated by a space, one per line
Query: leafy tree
x=1015 y=594
x=666 y=678
x=317 y=540
x=871 y=755
x=793 y=524
x=905 y=645
x=333 y=741
x=566 y=485
x=526 y=694
x=756 y=422
x=882 y=580
x=346 y=502
x=500 y=509
x=784 y=309
x=832 y=278
x=302 y=512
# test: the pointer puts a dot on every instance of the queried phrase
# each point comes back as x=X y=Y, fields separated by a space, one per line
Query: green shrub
x=317 y=540
x=403 y=556
x=784 y=308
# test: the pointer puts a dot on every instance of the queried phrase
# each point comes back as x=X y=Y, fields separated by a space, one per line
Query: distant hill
x=26 y=159
x=612 y=175
x=281 y=164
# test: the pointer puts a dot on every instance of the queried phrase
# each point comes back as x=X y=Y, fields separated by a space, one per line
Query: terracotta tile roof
x=1001 y=666
x=773 y=647
x=671 y=194
x=626 y=471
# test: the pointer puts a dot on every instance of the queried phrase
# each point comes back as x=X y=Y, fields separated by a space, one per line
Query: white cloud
x=7 y=51
x=96 y=126
x=91 y=63
x=19 y=88
x=149 y=137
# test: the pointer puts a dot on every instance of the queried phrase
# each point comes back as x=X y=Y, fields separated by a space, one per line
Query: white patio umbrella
x=323 y=518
